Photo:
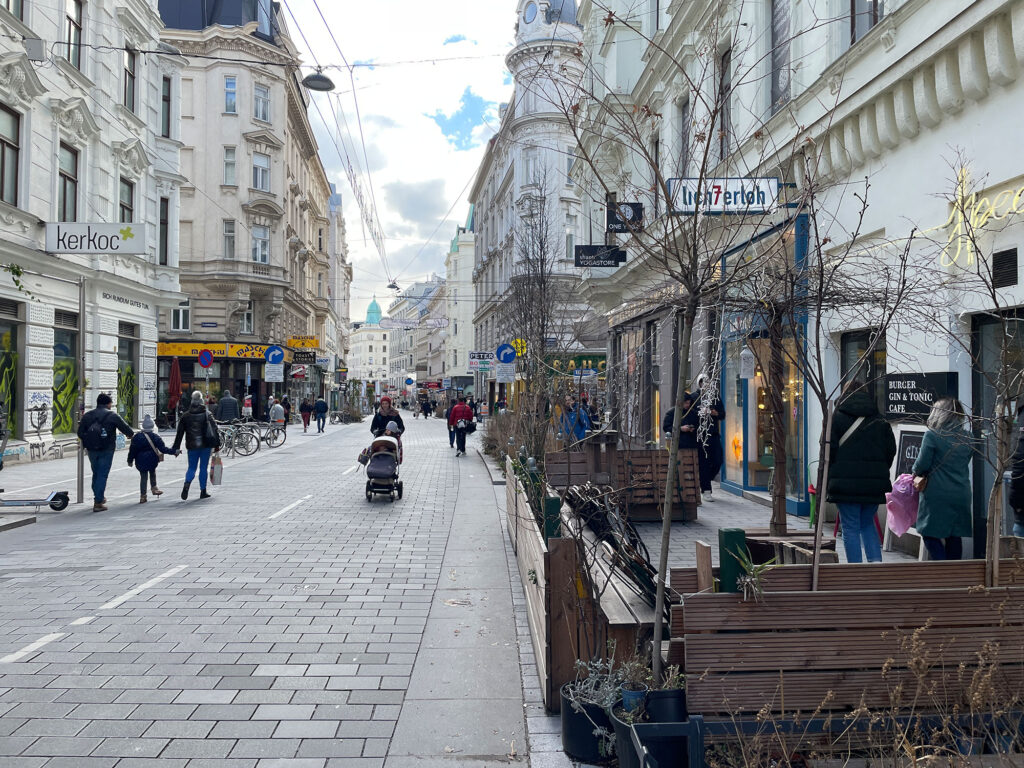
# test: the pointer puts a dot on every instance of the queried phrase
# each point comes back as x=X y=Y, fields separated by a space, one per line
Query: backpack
x=95 y=437
x=901 y=505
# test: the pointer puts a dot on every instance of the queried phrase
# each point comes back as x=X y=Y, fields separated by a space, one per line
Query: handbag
x=364 y=456
x=159 y=454
x=460 y=424
x=212 y=436
x=216 y=470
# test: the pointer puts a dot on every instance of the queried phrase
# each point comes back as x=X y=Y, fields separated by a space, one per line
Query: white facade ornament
x=131 y=156
x=74 y=117
x=18 y=82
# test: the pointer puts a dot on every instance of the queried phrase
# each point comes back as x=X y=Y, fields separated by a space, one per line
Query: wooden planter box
x=641 y=478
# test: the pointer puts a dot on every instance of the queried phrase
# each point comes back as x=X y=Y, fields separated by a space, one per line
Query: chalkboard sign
x=910 y=396
x=907 y=451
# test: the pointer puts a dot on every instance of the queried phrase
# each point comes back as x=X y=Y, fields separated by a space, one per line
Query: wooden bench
x=874 y=635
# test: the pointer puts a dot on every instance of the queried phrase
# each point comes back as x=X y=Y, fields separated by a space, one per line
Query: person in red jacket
x=459 y=417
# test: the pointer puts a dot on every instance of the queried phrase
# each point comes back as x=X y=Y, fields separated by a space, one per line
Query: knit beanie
x=147 y=423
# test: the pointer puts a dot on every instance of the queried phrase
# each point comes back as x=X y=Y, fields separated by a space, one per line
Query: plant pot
x=624 y=749
x=633 y=697
x=668 y=745
x=667 y=706
x=578 y=739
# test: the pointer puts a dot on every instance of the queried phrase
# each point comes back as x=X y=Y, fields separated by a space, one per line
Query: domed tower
x=373 y=313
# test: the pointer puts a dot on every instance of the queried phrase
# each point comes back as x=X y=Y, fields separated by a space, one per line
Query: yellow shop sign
x=188 y=349
x=304 y=342
x=247 y=351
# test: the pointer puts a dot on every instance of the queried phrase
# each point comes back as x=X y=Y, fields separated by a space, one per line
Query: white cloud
x=407 y=150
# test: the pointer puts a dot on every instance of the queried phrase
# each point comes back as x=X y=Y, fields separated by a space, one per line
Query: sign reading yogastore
x=730 y=196
x=79 y=237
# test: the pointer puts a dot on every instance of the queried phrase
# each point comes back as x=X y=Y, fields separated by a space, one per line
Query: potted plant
x=622 y=722
x=586 y=730
x=636 y=679
x=667 y=703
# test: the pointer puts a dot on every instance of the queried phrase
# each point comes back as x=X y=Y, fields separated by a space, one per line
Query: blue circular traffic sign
x=506 y=353
x=205 y=358
x=274 y=355
x=409 y=382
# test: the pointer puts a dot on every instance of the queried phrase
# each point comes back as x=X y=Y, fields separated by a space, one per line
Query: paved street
x=285 y=622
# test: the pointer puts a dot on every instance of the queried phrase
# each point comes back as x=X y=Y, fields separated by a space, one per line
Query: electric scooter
x=56 y=500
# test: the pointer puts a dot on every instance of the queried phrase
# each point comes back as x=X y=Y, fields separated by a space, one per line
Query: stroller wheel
x=399 y=489
x=369 y=496
x=391 y=497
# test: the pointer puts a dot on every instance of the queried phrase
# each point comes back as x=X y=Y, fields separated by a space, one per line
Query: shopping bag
x=364 y=456
x=901 y=505
x=216 y=469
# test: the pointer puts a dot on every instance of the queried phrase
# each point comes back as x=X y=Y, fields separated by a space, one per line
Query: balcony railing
x=232 y=269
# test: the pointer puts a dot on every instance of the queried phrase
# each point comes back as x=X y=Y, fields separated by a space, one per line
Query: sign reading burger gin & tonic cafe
x=729 y=196
x=79 y=237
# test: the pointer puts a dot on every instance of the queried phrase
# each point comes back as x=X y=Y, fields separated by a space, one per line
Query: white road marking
x=81 y=621
x=290 y=507
x=350 y=471
x=133 y=592
x=31 y=648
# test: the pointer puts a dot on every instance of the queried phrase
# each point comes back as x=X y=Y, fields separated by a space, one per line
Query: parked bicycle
x=238 y=439
x=271 y=434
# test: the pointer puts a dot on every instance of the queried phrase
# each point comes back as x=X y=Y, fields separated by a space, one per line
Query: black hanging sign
x=599 y=256
x=625 y=217
x=911 y=395
x=304 y=357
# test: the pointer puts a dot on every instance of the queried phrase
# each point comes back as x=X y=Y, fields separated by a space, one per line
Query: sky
x=425 y=121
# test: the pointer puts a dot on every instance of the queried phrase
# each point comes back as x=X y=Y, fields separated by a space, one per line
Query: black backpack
x=95 y=437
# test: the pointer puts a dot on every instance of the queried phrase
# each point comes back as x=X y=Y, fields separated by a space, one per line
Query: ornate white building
x=88 y=133
x=530 y=158
x=368 y=355
x=459 y=295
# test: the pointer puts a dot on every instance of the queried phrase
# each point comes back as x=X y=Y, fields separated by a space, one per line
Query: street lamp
x=318 y=81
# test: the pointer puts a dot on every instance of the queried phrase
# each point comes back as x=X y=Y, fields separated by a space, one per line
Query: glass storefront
x=127 y=379
x=9 y=388
x=65 y=380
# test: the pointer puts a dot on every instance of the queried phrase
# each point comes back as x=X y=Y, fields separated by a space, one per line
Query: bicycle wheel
x=246 y=443
x=276 y=437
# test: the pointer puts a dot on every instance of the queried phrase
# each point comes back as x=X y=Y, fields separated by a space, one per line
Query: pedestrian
x=306 y=412
x=320 y=411
x=458 y=419
x=575 y=421
x=385 y=415
x=228 y=409
x=199 y=431
x=861 y=453
x=270 y=404
x=710 y=453
x=98 y=432
x=688 y=425
x=287 y=405
x=451 y=430
x=941 y=475
x=425 y=406
x=147 y=450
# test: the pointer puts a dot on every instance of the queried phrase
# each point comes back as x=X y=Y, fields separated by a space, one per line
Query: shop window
x=9 y=364
x=1004 y=268
x=127 y=371
x=869 y=369
x=864 y=14
x=10 y=148
x=65 y=371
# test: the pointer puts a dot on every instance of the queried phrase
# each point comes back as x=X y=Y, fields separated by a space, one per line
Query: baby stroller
x=382 y=468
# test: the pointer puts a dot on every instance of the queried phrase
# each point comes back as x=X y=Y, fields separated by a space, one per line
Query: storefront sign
x=252 y=352
x=304 y=342
x=566 y=365
x=748 y=365
x=723 y=196
x=306 y=357
x=77 y=237
x=481 y=361
x=325 y=362
x=625 y=217
x=598 y=256
x=908 y=451
x=298 y=371
x=184 y=349
x=911 y=395
x=125 y=301
x=971 y=213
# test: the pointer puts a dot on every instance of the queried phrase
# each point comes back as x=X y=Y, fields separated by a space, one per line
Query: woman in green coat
x=944 y=511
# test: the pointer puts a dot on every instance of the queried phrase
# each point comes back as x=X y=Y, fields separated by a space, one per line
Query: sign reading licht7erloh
x=731 y=196
x=76 y=237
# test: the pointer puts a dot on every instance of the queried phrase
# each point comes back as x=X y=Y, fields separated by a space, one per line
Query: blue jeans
x=100 y=462
x=198 y=458
x=858 y=521
x=321 y=420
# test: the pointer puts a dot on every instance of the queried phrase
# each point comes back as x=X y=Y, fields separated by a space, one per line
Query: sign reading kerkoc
x=723 y=196
x=79 y=237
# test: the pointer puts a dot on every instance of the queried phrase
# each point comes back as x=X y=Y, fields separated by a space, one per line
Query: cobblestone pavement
x=285 y=622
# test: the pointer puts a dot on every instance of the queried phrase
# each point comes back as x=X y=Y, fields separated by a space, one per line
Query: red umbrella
x=174 y=385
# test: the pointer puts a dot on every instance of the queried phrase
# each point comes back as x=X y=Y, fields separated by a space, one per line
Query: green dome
x=373 y=313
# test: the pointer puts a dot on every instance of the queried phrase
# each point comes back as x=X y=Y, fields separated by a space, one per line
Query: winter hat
x=147 y=423
x=197 y=398
x=385 y=398
x=392 y=426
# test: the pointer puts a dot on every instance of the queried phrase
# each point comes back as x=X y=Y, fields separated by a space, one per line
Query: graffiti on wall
x=65 y=395
x=127 y=391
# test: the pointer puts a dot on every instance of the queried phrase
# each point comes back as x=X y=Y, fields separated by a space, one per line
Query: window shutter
x=8 y=308
x=64 y=319
x=129 y=330
x=1004 y=268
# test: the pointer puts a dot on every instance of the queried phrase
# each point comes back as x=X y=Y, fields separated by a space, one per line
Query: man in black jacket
x=100 y=442
x=228 y=408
